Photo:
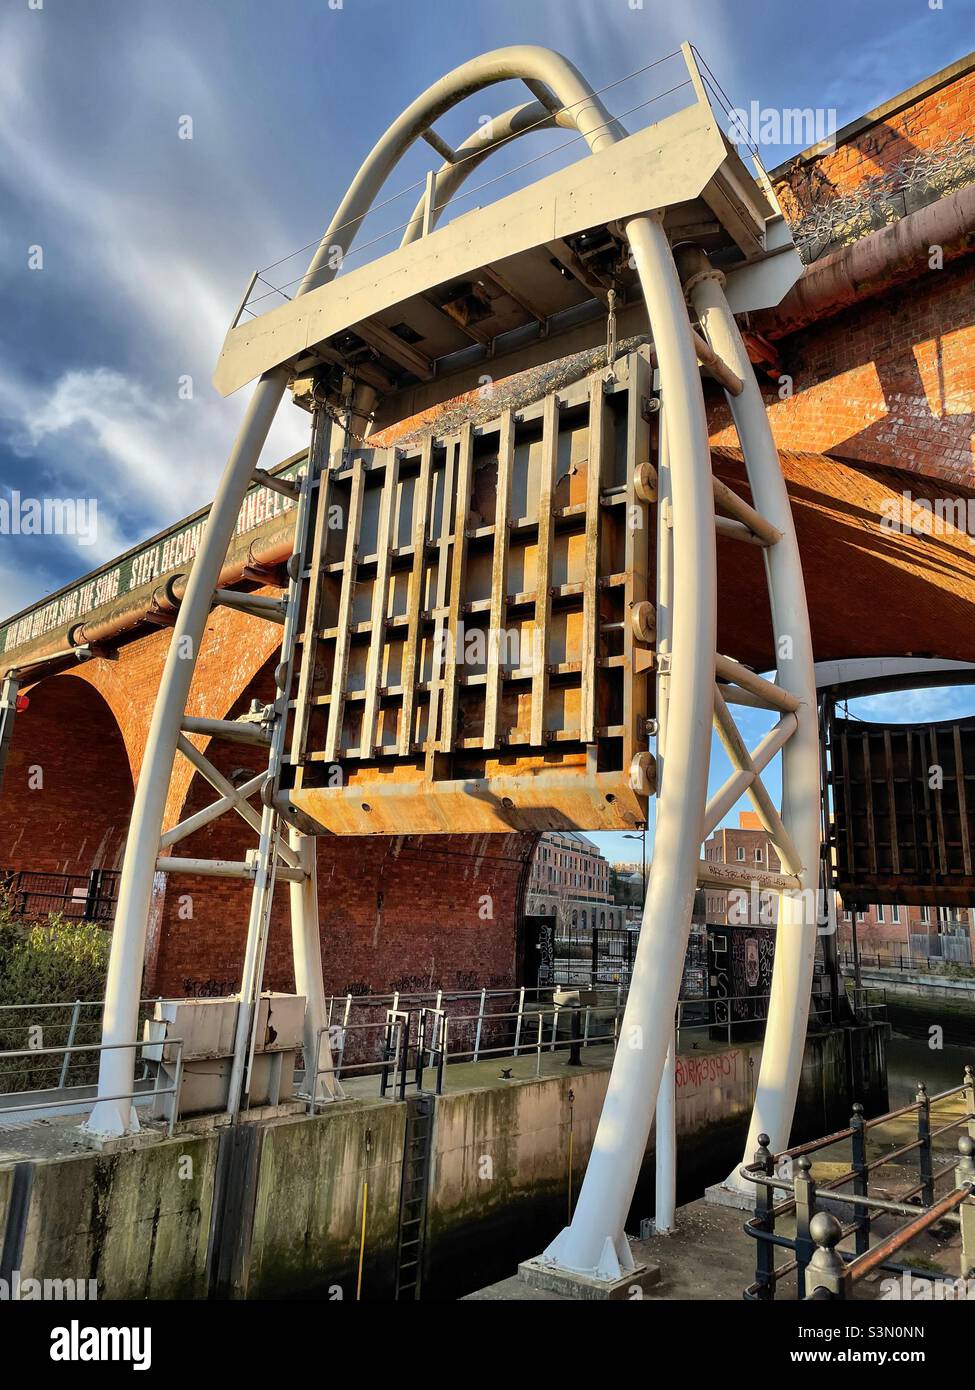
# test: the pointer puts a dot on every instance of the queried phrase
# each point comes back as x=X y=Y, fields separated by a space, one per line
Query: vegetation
x=46 y=963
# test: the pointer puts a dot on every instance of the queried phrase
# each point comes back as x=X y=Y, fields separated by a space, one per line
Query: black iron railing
x=32 y=894
x=821 y=1268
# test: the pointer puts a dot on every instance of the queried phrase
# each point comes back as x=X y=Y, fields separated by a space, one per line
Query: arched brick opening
x=67 y=792
x=405 y=912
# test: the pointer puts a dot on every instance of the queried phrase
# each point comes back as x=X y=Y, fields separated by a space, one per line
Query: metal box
x=206 y=1028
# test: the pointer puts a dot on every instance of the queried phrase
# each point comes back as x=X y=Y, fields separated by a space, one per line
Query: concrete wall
x=137 y=1222
x=315 y=1175
x=918 y=1002
x=140 y=1221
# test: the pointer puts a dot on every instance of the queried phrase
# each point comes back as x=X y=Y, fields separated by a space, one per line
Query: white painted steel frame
x=559 y=84
x=799 y=846
x=594 y=1241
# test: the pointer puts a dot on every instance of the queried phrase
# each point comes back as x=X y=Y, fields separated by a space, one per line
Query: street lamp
x=643 y=837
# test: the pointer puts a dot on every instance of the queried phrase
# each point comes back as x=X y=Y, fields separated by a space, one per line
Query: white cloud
x=124 y=436
x=916 y=706
x=146 y=459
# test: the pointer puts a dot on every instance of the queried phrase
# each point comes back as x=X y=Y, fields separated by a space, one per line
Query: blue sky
x=902 y=707
x=148 y=239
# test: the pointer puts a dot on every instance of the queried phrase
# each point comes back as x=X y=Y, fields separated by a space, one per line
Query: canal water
x=910 y=1060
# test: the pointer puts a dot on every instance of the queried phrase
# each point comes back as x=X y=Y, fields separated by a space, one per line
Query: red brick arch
x=395 y=912
x=67 y=792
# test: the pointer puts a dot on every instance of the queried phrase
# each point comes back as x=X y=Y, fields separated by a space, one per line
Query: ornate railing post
x=764 y=1221
x=861 y=1214
x=925 y=1171
x=805 y=1193
x=965 y=1173
x=827 y=1271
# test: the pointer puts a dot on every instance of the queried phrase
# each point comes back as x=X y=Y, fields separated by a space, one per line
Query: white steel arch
x=689 y=698
x=557 y=84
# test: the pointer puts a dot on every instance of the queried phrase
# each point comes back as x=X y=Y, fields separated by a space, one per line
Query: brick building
x=746 y=845
x=900 y=933
x=868 y=370
x=568 y=862
x=570 y=878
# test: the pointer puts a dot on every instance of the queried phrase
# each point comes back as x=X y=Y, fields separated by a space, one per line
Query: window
x=879 y=910
x=895 y=914
x=758 y=856
x=741 y=852
x=925 y=915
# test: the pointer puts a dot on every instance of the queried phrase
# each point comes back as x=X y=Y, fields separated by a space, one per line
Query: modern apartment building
x=570 y=878
x=567 y=862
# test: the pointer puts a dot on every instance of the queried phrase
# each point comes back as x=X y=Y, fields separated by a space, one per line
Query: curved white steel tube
x=795 y=937
x=528 y=62
x=500 y=130
x=594 y=1243
x=111 y=1115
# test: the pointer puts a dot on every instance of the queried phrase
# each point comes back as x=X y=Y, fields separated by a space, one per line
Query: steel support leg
x=795 y=938
x=665 y=1122
x=665 y=1147
x=307 y=949
x=252 y=976
x=124 y=984
x=594 y=1243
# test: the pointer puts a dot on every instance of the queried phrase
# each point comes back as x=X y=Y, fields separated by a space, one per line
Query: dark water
x=490 y=1250
x=910 y=1060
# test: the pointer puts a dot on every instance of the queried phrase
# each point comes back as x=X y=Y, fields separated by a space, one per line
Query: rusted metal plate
x=903 y=812
x=469 y=661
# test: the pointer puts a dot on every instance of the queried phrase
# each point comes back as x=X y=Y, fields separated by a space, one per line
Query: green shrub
x=54 y=961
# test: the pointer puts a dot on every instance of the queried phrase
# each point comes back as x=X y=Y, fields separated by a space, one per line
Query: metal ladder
x=411 y=1239
x=264 y=726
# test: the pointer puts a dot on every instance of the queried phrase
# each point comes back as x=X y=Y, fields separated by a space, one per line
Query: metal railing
x=397 y=1037
x=420 y=1031
x=911 y=961
x=821 y=1269
x=78 y=1021
x=33 y=894
x=411 y=1041
x=71 y=1102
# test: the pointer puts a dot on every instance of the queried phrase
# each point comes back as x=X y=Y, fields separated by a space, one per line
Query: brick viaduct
x=880 y=349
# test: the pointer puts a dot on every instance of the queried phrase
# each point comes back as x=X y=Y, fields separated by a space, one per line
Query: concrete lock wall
x=916 y=1002
x=316 y=1174
x=142 y=1223
x=137 y=1222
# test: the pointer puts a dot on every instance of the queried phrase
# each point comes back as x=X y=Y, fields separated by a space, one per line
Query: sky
x=147 y=240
